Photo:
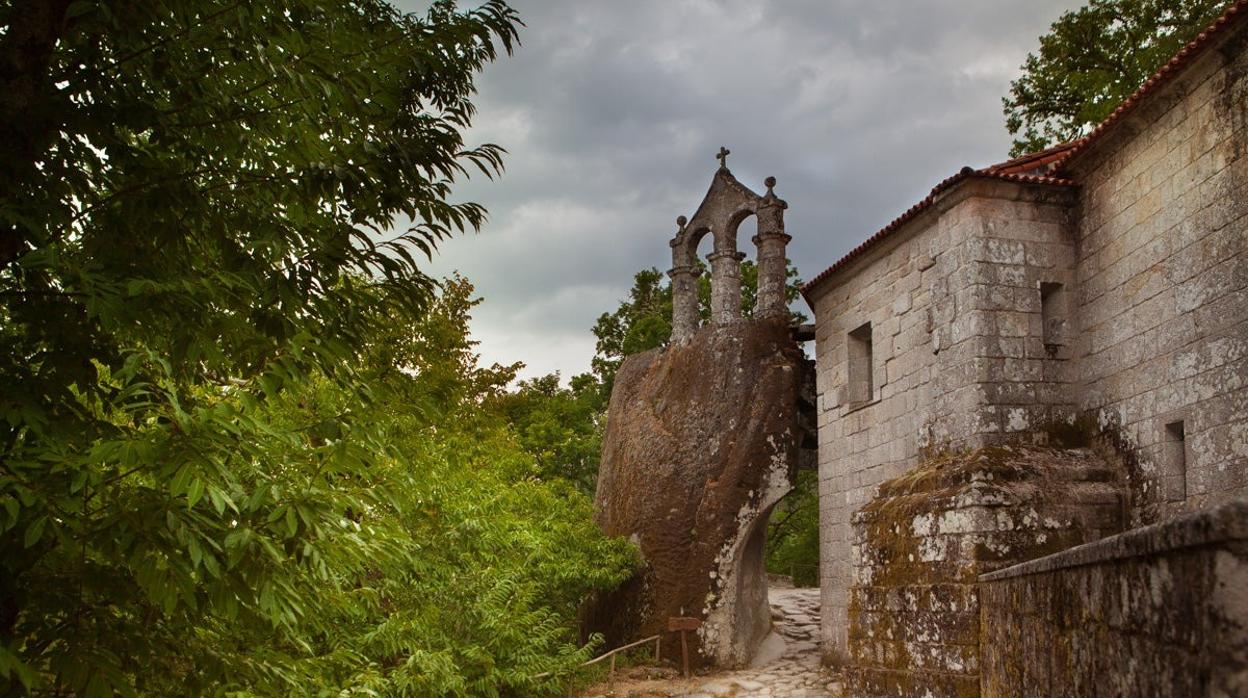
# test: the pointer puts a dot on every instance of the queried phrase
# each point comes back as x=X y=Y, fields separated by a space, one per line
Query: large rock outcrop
x=702 y=440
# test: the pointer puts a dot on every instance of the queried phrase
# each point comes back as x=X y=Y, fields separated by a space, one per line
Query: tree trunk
x=27 y=126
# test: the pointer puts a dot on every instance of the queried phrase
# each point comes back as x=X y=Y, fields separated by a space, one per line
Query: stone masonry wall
x=1162 y=326
x=957 y=351
x=1159 y=611
x=1007 y=313
x=921 y=544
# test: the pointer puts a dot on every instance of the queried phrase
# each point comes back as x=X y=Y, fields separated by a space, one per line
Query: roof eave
x=940 y=192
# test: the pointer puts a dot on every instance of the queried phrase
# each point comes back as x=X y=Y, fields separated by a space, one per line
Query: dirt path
x=787 y=666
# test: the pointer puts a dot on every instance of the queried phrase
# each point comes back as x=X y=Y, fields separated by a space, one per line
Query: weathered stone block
x=1158 y=611
x=922 y=543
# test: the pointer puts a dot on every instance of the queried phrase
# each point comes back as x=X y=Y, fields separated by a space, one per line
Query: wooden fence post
x=683 y=625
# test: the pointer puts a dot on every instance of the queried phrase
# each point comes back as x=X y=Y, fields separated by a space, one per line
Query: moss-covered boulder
x=922 y=542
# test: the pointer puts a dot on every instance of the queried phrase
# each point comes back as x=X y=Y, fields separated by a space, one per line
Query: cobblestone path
x=787 y=666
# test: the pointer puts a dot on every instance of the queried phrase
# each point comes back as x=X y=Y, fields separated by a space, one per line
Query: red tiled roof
x=926 y=203
x=1237 y=11
x=1041 y=160
x=1051 y=160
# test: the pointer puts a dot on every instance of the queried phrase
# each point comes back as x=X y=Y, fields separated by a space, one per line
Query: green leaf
x=197 y=554
x=12 y=665
x=194 y=492
x=219 y=499
x=35 y=531
x=181 y=480
x=12 y=508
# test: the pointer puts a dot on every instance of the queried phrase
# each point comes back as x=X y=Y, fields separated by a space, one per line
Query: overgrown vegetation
x=245 y=445
x=1091 y=60
x=560 y=426
x=793 y=532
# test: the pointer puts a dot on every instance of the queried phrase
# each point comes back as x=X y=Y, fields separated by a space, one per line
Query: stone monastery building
x=1091 y=296
x=1028 y=410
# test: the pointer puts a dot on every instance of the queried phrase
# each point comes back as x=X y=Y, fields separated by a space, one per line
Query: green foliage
x=392 y=545
x=561 y=427
x=241 y=443
x=496 y=562
x=1091 y=60
x=793 y=532
x=215 y=179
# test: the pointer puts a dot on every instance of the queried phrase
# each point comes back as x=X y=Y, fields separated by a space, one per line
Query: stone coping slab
x=1227 y=522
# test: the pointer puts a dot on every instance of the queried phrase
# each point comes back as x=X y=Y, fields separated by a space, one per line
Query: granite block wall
x=921 y=544
x=952 y=308
x=1158 y=611
x=1009 y=313
x=1161 y=336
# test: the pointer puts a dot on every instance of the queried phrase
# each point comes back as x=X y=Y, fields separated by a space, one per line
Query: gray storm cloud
x=612 y=112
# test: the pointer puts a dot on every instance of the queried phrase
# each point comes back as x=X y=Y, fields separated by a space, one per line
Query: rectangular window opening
x=861 y=366
x=1176 y=461
x=1053 y=315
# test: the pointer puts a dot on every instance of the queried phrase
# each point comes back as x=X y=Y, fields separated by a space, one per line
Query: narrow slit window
x=1176 y=461
x=1053 y=315
x=861 y=366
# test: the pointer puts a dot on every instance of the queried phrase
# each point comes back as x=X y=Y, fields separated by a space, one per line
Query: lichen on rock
x=922 y=543
x=702 y=440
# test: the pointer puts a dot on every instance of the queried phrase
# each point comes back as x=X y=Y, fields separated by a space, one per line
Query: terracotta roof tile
x=1034 y=163
x=1237 y=11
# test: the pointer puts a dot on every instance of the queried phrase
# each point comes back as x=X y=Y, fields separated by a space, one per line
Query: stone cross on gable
x=723 y=157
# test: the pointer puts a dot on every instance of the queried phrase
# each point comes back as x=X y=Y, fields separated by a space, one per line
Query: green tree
x=199 y=483
x=793 y=532
x=1091 y=60
x=560 y=426
x=455 y=571
x=477 y=590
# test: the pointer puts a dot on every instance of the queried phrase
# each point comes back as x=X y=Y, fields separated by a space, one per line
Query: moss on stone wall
x=922 y=543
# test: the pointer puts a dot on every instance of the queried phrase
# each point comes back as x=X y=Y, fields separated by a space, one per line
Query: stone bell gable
x=704 y=438
x=726 y=205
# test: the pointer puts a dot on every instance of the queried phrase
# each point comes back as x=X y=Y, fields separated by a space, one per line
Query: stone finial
x=723 y=157
x=680 y=222
x=770 y=198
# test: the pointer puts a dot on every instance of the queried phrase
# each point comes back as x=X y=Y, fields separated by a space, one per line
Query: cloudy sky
x=613 y=110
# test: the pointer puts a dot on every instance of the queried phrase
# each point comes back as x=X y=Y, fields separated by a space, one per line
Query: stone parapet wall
x=920 y=546
x=1158 y=611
